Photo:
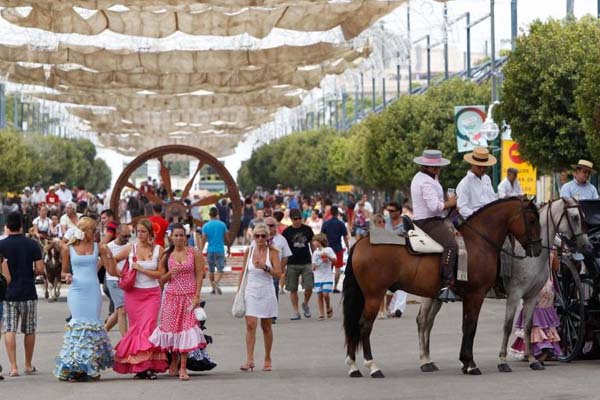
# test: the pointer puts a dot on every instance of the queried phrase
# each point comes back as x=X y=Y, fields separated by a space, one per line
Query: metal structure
x=578 y=290
x=175 y=204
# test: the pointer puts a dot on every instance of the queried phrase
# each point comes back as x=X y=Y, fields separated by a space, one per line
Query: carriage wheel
x=570 y=307
x=175 y=204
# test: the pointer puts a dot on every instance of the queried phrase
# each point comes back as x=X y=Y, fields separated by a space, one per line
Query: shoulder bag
x=239 y=305
x=127 y=279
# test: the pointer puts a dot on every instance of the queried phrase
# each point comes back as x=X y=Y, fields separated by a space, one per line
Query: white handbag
x=239 y=305
x=200 y=314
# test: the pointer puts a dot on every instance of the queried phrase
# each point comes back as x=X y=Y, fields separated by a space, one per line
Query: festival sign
x=468 y=121
x=511 y=158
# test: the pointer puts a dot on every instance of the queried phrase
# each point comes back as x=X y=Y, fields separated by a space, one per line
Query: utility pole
x=493 y=52
x=513 y=21
x=445 y=40
x=410 y=47
x=570 y=9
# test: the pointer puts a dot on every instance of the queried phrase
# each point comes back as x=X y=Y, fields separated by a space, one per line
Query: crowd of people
x=152 y=271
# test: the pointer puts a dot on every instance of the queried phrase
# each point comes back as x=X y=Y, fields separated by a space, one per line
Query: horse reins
x=530 y=241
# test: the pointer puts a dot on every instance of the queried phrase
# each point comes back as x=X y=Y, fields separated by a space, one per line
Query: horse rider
x=475 y=190
x=579 y=188
x=428 y=204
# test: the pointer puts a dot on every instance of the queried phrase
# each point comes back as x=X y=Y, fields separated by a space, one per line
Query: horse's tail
x=354 y=303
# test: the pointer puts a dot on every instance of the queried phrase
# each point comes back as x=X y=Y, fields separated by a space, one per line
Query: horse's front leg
x=472 y=302
x=368 y=318
x=46 y=283
x=512 y=302
x=528 y=309
x=427 y=312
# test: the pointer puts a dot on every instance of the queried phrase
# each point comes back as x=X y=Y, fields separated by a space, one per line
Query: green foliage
x=30 y=158
x=378 y=152
x=542 y=77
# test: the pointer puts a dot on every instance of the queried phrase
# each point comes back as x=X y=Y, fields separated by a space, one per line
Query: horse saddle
x=418 y=241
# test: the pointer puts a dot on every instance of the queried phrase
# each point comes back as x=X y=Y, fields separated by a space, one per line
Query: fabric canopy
x=353 y=17
x=178 y=61
x=106 y=4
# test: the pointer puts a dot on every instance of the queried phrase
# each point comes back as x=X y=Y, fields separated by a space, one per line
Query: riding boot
x=447 y=292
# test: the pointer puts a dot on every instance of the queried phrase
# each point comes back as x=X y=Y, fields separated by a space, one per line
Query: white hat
x=585 y=164
x=432 y=158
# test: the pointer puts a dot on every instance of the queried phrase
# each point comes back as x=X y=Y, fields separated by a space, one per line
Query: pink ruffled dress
x=543 y=332
x=178 y=330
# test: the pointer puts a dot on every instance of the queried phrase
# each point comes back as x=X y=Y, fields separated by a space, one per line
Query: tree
x=18 y=162
x=539 y=94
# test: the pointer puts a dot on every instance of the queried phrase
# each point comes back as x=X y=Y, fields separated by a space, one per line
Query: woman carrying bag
x=135 y=354
x=261 y=263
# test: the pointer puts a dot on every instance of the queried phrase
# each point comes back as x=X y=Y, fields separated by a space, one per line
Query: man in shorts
x=118 y=316
x=215 y=233
x=299 y=237
x=24 y=258
x=335 y=229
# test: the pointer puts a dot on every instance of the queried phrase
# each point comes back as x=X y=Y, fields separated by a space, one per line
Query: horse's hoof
x=377 y=374
x=429 y=367
x=471 y=371
x=50 y=300
x=46 y=295
x=355 y=374
x=537 y=366
x=504 y=367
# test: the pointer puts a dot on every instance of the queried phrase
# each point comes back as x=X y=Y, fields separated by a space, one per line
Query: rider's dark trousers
x=441 y=232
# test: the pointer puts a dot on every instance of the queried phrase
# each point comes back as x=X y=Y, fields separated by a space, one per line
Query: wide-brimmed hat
x=584 y=164
x=431 y=158
x=480 y=157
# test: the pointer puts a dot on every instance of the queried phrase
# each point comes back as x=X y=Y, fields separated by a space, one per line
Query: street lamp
x=489 y=129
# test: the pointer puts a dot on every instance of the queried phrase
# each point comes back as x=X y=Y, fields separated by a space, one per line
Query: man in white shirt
x=281 y=244
x=510 y=187
x=112 y=282
x=38 y=197
x=428 y=206
x=475 y=190
x=64 y=194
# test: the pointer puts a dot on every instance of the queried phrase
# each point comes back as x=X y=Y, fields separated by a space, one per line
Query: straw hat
x=480 y=157
x=431 y=158
x=585 y=164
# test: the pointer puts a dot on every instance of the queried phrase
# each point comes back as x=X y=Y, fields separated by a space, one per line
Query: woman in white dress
x=262 y=265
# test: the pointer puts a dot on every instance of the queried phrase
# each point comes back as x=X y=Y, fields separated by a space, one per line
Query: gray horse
x=524 y=278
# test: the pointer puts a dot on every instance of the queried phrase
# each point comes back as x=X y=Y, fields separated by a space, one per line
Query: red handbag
x=127 y=279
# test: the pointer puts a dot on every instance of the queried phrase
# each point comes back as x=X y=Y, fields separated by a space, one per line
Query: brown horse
x=372 y=269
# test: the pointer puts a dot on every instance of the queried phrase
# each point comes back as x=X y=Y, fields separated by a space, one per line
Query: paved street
x=309 y=363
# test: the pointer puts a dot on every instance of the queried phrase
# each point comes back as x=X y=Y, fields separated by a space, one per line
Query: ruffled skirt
x=135 y=353
x=543 y=333
x=86 y=350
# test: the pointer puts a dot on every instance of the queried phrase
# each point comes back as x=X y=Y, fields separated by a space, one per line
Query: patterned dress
x=86 y=348
x=178 y=330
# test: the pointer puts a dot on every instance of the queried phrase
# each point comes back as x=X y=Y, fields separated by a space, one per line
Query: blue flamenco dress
x=86 y=348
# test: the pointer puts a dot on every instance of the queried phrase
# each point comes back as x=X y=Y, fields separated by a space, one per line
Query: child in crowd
x=323 y=258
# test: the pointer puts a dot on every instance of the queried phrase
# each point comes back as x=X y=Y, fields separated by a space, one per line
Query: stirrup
x=447 y=295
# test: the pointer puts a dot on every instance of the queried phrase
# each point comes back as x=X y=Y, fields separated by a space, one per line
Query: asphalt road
x=308 y=362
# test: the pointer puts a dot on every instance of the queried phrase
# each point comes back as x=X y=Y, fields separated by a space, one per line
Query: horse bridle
x=565 y=215
x=528 y=244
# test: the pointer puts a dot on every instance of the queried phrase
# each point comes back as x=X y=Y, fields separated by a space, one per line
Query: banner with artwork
x=468 y=121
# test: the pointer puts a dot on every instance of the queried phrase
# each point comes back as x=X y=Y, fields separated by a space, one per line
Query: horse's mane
x=494 y=203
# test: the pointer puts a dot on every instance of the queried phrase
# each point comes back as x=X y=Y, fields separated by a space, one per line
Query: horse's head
x=525 y=226
x=567 y=219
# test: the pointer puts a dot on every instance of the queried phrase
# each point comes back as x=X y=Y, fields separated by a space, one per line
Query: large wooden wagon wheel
x=570 y=307
x=175 y=204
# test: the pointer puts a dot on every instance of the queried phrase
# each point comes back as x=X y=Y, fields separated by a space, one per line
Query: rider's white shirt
x=473 y=193
x=505 y=189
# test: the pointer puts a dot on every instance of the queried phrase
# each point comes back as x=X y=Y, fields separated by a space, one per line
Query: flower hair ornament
x=78 y=234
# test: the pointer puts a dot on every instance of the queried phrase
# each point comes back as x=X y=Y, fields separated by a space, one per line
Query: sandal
x=141 y=375
x=32 y=371
x=247 y=367
x=13 y=373
x=321 y=318
x=330 y=312
x=183 y=376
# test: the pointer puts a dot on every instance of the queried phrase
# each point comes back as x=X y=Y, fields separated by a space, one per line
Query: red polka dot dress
x=178 y=330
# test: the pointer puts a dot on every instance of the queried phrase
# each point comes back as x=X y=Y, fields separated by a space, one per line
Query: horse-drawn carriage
x=578 y=290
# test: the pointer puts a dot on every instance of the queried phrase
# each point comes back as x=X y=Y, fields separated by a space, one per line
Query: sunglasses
x=391 y=210
x=125 y=236
x=259 y=236
x=296 y=218
x=271 y=225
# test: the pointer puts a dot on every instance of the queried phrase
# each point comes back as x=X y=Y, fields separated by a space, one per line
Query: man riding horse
x=475 y=190
x=428 y=206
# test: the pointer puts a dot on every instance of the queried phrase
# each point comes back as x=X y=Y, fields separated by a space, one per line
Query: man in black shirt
x=299 y=237
x=24 y=258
